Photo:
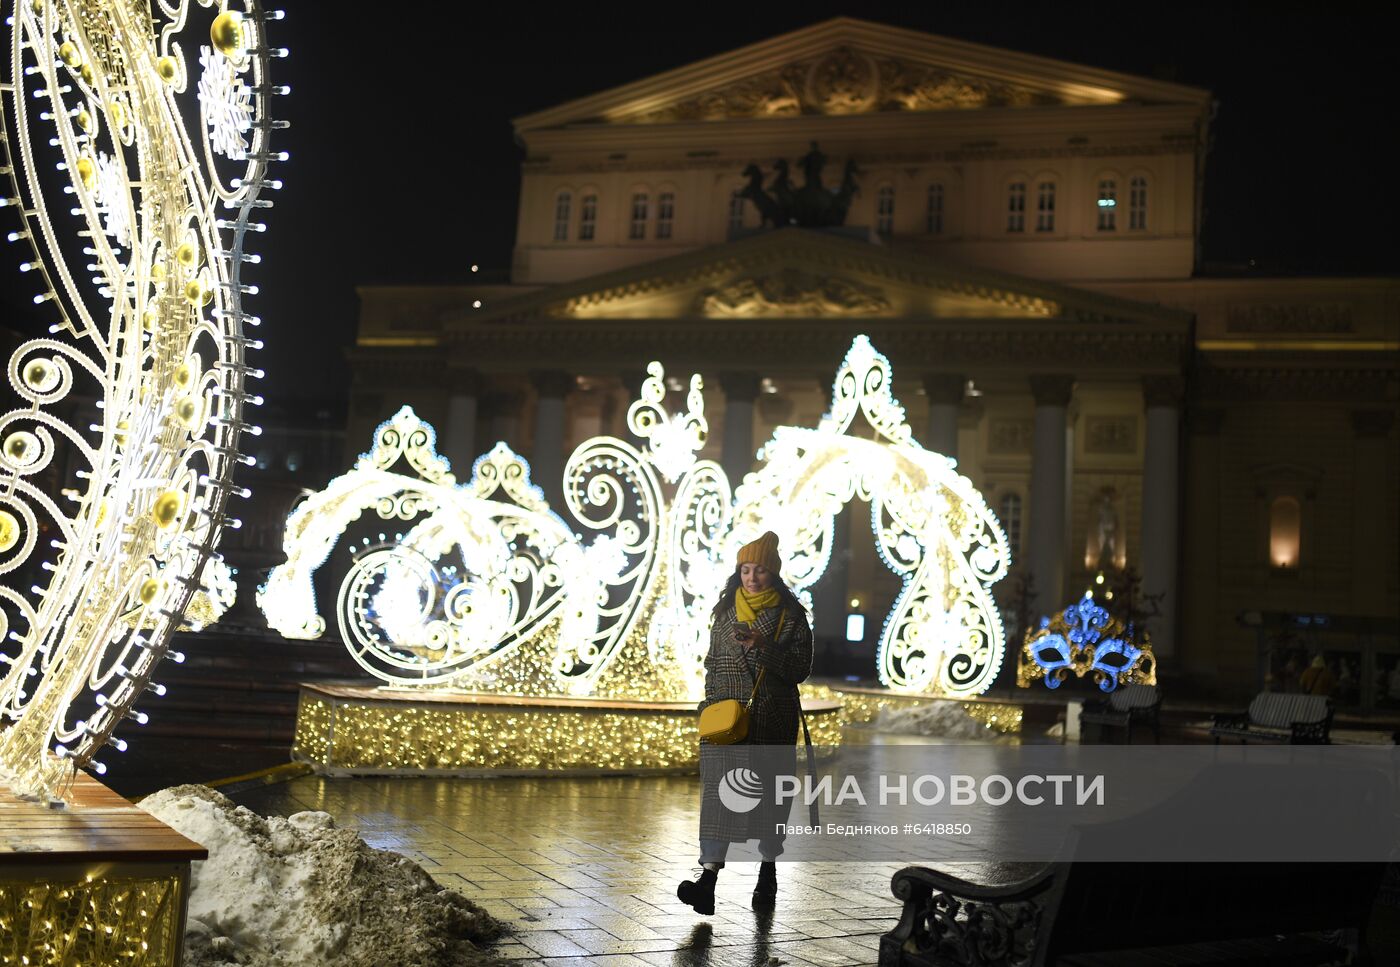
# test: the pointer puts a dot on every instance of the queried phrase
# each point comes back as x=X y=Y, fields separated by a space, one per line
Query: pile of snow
x=301 y=891
x=943 y=719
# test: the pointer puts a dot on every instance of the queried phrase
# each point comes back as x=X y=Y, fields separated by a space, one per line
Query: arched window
x=563 y=204
x=933 y=216
x=1108 y=205
x=588 y=218
x=641 y=211
x=1016 y=206
x=1137 y=204
x=1285 y=532
x=1011 y=522
x=665 y=213
x=736 y=212
x=1045 y=207
x=884 y=210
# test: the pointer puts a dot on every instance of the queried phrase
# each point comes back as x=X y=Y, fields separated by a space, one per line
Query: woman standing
x=758 y=624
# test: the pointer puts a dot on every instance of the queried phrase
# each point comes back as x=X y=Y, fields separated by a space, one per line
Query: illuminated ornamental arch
x=484 y=587
x=99 y=575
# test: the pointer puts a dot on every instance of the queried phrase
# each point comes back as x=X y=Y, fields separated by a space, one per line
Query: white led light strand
x=98 y=93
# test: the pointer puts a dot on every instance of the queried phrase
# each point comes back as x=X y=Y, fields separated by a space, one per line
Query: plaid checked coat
x=773 y=717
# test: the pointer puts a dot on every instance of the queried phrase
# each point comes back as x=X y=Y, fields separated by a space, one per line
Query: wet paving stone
x=585 y=870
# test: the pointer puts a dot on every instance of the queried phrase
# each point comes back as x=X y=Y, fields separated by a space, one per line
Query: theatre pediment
x=799 y=273
x=846 y=66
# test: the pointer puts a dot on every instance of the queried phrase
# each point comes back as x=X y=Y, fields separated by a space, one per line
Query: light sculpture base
x=97 y=881
x=861 y=706
x=368 y=730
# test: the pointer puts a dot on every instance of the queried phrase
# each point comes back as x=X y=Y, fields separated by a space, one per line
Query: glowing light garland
x=98 y=92
x=490 y=590
x=1086 y=640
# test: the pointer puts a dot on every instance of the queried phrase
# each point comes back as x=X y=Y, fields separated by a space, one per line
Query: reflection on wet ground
x=585 y=869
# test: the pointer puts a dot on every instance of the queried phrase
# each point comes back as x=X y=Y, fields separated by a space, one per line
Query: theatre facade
x=1020 y=238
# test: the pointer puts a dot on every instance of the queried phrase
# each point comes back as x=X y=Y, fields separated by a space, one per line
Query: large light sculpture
x=108 y=184
x=488 y=589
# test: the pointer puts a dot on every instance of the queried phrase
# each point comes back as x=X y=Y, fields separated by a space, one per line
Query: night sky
x=404 y=168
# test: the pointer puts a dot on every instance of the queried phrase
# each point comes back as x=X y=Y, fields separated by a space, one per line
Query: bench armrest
x=944 y=916
x=1230 y=720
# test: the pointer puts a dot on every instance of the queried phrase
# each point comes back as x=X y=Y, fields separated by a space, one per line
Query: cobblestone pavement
x=585 y=869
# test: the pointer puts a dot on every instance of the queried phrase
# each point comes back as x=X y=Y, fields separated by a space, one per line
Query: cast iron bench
x=1134 y=915
x=1278 y=717
x=1128 y=705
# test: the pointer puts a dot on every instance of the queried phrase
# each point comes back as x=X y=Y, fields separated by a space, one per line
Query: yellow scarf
x=747 y=606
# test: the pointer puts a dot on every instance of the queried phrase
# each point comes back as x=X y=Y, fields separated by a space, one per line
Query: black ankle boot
x=699 y=893
x=766 y=891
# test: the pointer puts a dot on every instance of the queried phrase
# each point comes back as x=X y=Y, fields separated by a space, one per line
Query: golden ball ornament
x=119 y=435
x=85 y=72
x=167 y=508
x=149 y=590
x=226 y=33
x=187 y=255
x=187 y=410
x=185 y=374
x=68 y=53
x=165 y=67
x=157 y=271
x=87 y=172
x=22 y=448
x=194 y=292
x=84 y=120
x=9 y=530
x=149 y=318
x=40 y=375
x=118 y=112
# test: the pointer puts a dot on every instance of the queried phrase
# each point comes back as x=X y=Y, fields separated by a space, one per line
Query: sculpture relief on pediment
x=792 y=292
x=845 y=81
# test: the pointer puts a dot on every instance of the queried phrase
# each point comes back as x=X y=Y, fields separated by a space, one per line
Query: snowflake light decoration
x=112 y=199
x=227 y=104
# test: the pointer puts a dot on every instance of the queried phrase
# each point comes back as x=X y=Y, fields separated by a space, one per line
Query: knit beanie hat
x=763 y=551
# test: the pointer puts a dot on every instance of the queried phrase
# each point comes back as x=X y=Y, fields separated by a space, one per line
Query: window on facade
x=665 y=213
x=933 y=217
x=562 y=205
x=1045 y=207
x=1137 y=204
x=884 y=210
x=588 y=218
x=1108 y=205
x=1011 y=522
x=641 y=205
x=736 y=212
x=1285 y=532
x=1016 y=207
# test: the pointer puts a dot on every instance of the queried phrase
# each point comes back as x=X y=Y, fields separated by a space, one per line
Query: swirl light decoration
x=627 y=614
x=104 y=173
x=1086 y=640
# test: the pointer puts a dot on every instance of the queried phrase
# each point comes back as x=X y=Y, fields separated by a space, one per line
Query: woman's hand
x=748 y=638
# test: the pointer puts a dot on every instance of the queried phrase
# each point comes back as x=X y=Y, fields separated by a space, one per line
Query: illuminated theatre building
x=1022 y=246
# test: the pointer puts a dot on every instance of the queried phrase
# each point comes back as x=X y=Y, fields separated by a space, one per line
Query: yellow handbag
x=727 y=722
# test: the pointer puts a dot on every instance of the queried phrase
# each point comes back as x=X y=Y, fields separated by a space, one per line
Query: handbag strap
x=759 y=678
x=811 y=764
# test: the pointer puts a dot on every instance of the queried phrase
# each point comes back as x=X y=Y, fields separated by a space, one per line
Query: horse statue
x=770 y=211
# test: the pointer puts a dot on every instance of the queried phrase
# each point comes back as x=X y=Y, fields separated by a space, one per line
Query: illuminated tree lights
x=488 y=589
x=99 y=92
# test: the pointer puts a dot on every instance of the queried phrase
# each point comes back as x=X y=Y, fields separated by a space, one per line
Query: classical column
x=1045 y=541
x=458 y=441
x=945 y=398
x=547 y=452
x=502 y=411
x=1161 y=500
x=1374 y=538
x=736 y=449
x=1200 y=591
